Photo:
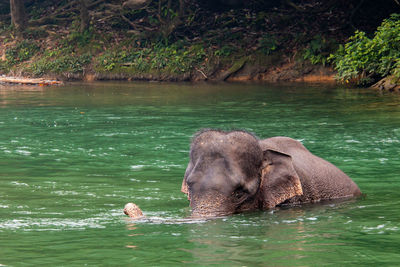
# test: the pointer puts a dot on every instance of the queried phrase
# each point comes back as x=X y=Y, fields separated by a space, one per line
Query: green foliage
x=78 y=38
x=21 y=52
x=3 y=66
x=396 y=70
x=363 y=58
x=171 y=58
x=108 y=61
x=35 y=33
x=268 y=44
x=55 y=62
x=318 y=50
x=225 y=51
x=168 y=12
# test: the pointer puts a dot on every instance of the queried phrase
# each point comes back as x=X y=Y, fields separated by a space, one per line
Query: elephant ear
x=279 y=179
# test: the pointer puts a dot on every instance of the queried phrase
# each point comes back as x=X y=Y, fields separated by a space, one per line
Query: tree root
x=232 y=70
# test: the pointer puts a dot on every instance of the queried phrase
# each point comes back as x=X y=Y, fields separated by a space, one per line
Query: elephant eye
x=238 y=193
x=189 y=182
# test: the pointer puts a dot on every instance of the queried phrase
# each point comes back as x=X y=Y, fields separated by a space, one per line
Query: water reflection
x=15 y=95
x=258 y=238
x=131 y=227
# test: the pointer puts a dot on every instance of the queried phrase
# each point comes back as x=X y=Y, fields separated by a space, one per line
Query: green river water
x=72 y=156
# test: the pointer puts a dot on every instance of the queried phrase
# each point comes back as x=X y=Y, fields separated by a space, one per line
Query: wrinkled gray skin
x=231 y=172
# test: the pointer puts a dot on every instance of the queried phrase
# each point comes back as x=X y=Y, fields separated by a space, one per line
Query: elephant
x=234 y=171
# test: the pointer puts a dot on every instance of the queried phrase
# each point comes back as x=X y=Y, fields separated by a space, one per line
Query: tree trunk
x=181 y=8
x=18 y=15
x=84 y=15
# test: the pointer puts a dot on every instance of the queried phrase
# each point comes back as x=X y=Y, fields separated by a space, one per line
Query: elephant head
x=228 y=172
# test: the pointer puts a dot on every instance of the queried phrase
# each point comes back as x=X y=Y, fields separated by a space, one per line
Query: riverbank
x=249 y=71
x=239 y=70
x=388 y=84
x=68 y=58
x=277 y=41
x=284 y=72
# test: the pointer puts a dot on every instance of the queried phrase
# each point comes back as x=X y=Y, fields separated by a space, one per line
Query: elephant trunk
x=210 y=204
x=214 y=204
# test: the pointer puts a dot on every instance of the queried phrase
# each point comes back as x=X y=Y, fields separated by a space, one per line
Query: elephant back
x=320 y=179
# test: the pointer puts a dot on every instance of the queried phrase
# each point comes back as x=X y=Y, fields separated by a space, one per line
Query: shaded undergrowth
x=164 y=42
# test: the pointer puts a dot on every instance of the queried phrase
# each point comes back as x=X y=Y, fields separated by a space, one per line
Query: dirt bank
x=282 y=72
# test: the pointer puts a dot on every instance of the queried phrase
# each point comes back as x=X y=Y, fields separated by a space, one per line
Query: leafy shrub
x=78 y=38
x=268 y=44
x=396 y=70
x=108 y=61
x=21 y=52
x=363 y=58
x=171 y=58
x=61 y=63
x=318 y=50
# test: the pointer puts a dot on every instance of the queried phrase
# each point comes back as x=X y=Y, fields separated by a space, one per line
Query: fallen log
x=29 y=81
